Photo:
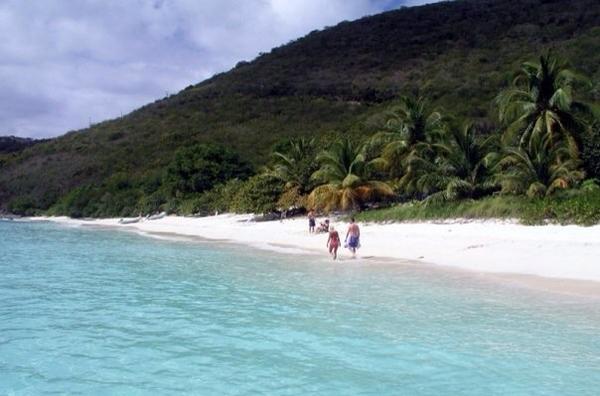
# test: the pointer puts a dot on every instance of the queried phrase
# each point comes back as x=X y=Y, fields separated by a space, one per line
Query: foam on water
x=106 y=312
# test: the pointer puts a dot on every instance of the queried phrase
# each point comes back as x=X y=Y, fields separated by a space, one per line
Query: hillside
x=459 y=54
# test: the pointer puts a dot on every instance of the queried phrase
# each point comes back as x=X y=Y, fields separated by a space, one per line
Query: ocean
x=97 y=311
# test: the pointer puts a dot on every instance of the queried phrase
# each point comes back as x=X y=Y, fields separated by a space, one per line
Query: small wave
x=164 y=237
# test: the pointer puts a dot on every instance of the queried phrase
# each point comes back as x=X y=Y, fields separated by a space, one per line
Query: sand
x=552 y=251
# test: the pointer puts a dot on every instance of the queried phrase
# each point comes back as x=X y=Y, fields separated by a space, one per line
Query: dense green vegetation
x=401 y=106
x=199 y=168
x=573 y=207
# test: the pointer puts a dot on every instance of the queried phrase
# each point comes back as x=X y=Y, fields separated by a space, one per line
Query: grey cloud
x=64 y=63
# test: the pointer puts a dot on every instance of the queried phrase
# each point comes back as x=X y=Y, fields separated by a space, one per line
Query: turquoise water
x=107 y=312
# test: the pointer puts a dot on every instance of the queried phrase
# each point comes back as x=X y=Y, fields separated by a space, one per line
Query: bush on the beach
x=580 y=206
x=259 y=194
x=119 y=197
x=77 y=203
x=153 y=203
x=591 y=151
x=23 y=206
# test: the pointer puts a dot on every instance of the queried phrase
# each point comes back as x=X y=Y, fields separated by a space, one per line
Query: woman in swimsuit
x=333 y=242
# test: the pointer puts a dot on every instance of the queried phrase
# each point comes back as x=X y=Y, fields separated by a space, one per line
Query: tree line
x=426 y=155
x=548 y=141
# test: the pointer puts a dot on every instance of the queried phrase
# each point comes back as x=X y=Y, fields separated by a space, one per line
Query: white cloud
x=63 y=63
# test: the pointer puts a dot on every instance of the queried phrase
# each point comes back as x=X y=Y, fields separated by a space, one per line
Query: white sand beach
x=553 y=251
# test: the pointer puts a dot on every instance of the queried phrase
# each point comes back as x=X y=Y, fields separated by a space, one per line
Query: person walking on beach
x=333 y=242
x=353 y=237
x=311 y=221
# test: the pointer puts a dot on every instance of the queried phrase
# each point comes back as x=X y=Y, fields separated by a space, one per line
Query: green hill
x=334 y=81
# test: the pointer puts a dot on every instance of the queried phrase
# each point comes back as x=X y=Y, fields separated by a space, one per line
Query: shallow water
x=107 y=312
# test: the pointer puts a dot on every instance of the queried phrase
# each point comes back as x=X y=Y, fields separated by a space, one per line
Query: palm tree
x=541 y=102
x=344 y=174
x=540 y=169
x=295 y=165
x=461 y=167
x=409 y=126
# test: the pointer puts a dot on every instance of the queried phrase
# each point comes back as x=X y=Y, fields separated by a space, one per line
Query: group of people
x=352 y=240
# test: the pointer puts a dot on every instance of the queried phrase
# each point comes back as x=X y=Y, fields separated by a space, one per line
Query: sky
x=67 y=63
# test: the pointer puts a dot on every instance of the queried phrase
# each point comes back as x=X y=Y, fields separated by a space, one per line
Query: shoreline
x=495 y=247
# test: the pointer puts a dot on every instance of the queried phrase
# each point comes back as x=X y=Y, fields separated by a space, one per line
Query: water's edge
x=571 y=287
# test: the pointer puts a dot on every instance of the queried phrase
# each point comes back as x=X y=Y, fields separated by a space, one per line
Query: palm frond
x=345 y=177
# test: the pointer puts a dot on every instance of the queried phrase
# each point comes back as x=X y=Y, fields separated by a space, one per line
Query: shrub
x=201 y=167
x=578 y=206
x=582 y=207
x=23 y=206
x=78 y=202
x=292 y=198
x=153 y=202
x=95 y=201
x=590 y=153
x=259 y=194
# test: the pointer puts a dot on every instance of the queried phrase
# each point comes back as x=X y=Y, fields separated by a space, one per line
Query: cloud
x=64 y=63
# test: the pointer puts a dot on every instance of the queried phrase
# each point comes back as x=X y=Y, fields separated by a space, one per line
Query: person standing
x=311 y=221
x=353 y=237
x=333 y=242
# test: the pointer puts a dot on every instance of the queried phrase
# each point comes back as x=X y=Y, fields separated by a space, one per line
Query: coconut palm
x=295 y=165
x=461 y=167
x=541 y=102
x=344 y=177
x=409 y=126
x=540 y=169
